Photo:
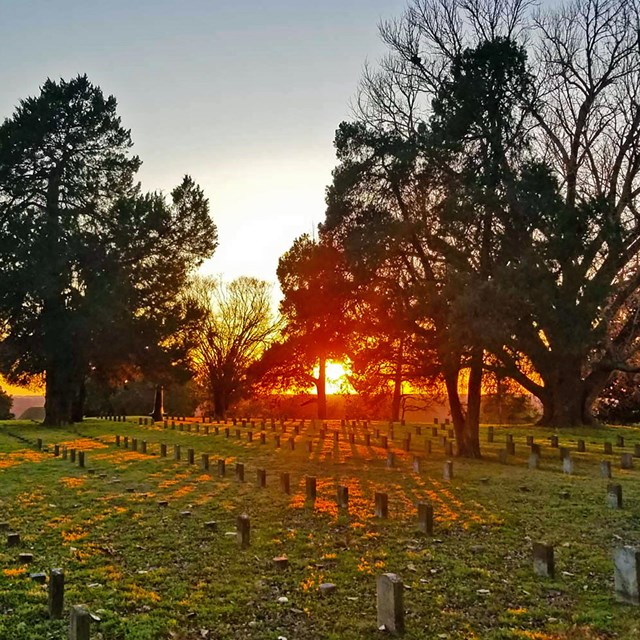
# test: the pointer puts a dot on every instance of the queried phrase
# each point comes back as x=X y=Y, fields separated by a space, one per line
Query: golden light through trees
x=337 y=378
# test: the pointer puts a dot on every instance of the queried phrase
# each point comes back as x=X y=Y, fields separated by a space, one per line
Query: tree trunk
x=321 y=386
x=77 y=408
x=567 y=400
x=158 y=404
x=397 y=386
x=467 y=436
x=58 y=397
x=218 y=404
x=455 y=406
x=474 y=400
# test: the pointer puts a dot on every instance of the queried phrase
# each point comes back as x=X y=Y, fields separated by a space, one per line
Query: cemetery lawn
x=147 y=571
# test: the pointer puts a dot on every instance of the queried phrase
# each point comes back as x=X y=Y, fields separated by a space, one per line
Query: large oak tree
x=549 y=286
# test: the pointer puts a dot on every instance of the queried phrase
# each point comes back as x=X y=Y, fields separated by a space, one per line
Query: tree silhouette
x=528 y=186
x=316 y=289
x=90 y=268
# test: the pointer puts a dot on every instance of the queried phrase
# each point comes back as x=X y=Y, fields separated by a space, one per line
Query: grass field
x=148 y=571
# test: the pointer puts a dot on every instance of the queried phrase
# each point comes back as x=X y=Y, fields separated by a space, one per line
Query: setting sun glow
x=337 y=378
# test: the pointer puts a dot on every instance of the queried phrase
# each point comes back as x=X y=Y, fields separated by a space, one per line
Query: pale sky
x=244 y=96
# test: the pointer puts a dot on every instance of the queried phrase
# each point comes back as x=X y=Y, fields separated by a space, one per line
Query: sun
x=337 y=378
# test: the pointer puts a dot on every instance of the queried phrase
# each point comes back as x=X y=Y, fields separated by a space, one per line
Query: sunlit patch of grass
x=15 y=458
x=83 y=444
x=120 y=457
x=73 y=535
x=72 y=482
x=183 y=491
x=139 y=595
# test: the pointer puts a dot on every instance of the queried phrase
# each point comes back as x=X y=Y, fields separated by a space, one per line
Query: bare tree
x=239 y=325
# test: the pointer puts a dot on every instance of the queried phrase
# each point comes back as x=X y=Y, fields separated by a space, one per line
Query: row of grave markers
x=626 y=461
x=510 y=444
x=614 y=491
x=446 y=444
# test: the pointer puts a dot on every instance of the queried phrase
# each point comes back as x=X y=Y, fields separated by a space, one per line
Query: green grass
x=148 y=572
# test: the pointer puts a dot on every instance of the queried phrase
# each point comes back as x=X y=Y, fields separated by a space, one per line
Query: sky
x=245 y=96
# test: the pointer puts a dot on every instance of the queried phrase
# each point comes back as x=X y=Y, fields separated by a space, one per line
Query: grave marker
x=243 y=531
x=389 y=603
x=343 y=497
x=285 y=482
x=626 y=562
x=605 y=469
x=425 y=518
x=448 y=470
x=543 y=560
x=381 y=505
x=614 y=496
x=310 y=485
x=55 y=599
x=80 y=623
